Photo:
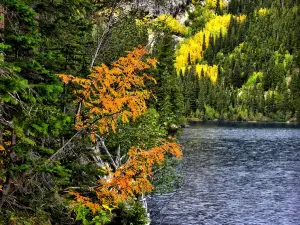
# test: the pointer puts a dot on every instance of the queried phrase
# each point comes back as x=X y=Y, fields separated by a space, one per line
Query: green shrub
x=130 y=213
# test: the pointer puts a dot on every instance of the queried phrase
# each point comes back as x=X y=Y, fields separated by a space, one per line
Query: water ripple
x=235 y=175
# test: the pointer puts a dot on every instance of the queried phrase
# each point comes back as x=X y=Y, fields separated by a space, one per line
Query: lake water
x=235 y=174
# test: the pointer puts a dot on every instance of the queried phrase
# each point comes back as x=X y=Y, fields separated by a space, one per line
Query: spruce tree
x=168 y=90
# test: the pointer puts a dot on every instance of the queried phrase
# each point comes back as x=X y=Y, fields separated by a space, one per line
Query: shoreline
x=193 y=120
x=243 y=123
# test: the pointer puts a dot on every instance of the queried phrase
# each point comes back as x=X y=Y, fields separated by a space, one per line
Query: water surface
x=235 y=174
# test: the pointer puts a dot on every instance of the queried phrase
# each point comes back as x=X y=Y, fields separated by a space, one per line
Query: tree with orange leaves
x=109 y=95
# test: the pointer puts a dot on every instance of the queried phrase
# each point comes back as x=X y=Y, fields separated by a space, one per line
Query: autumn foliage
x=193 y=49
x=107 y=95
x=131 y=179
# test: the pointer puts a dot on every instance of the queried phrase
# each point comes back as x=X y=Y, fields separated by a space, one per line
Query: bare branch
x=97 y=156
x=118 y=162
x=113 y=163
x=104 y=34
x=57 y=154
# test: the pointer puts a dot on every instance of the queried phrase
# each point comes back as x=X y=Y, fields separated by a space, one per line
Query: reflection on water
x=235 y=174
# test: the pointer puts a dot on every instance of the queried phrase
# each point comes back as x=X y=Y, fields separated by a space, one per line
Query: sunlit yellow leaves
x=164 y=21
x=252 y=80
x=212 y=4
x=141 y=22
x=192 y=48
x=263 y=11
x=125 y=118
x=208 y=71
x=108 y=12
x=109 y=93
x=241 y=18
x=170 y=22
x=2 y=148
x=107 y=208
x=218 y=23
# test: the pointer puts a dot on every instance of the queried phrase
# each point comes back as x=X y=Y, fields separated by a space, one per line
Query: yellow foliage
x=209 y=71
x=218 y=23
x=241 y=18
x=108 y=11
x=212 y=4
x=252 y=80
x=144 y=21
x=170 y=22
x=193 y=47
x=263 y=11
x=163 y=21
x=5 y=146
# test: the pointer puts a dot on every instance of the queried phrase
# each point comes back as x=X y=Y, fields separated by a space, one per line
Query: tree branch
x=59 y=151
x=106 y=31
x=56 y=154
x=113 y=163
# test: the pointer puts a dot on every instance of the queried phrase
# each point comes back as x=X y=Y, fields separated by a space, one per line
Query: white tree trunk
x=145 y=206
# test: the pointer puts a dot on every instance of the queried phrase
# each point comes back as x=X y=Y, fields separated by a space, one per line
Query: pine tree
x=37 y=36
x=168 y=90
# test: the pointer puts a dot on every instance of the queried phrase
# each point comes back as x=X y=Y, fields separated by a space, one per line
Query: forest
x=93 y=95
x=242 y=63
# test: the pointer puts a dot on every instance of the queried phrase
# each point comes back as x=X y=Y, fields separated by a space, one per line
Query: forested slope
x=242 y=61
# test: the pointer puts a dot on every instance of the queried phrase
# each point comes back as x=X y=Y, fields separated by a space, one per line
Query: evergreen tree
x=41 y=39
x=168 y=90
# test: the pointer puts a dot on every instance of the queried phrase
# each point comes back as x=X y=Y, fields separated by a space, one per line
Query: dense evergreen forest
x=242 y=62
x=93 y=93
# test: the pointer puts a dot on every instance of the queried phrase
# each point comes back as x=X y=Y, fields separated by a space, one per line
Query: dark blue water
x=235 y=174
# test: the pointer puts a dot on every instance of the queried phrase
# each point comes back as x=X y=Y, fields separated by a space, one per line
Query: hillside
x=241 y=61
